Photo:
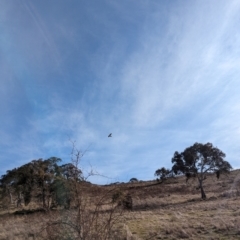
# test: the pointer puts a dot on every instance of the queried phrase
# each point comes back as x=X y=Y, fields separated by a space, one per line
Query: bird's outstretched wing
x=110 y=135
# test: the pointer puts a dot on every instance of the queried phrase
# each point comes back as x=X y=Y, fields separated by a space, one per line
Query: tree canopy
x=132 y=180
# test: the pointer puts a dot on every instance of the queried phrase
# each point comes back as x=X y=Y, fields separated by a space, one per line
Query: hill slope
x=169 y=210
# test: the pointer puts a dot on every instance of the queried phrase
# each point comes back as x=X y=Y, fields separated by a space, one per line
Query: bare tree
x=93 y=214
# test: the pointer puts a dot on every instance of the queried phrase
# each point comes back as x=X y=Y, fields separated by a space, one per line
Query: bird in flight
x=110 y=135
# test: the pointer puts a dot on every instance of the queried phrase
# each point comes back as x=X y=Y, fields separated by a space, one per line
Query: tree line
x=40 y=179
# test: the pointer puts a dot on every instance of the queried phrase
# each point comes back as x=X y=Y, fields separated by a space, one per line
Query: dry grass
x=172 y=210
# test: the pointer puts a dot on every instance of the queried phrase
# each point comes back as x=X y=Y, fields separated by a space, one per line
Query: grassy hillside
x=169 y=210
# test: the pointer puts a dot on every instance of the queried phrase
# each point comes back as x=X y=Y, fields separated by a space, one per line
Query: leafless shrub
x=92 y=218
x=124 y=200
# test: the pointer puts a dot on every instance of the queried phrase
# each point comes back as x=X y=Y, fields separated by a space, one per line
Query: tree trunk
x=203 y=194
x=43 y=194
x=11 y=197
x=202 y=191
x=43 y=198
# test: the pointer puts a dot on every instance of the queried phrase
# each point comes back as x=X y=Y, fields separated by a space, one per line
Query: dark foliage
x=190 y=175
x=122 y=200
x=198 y=160
x=127 y=202
x=133 y=180
x=163 y=173
x=43 y=179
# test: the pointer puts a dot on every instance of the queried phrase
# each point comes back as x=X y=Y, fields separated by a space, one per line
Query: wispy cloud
x=158 y=76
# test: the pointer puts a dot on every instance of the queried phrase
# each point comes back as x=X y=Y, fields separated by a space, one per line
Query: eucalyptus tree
x=163 y=173
x=69 y=171
x=200 y=159
x=31 y=179
x=45 y=172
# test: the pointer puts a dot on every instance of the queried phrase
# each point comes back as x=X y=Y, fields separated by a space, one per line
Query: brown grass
x=172 y=210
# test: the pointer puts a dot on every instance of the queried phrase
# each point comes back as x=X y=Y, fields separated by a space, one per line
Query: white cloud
x=173 y=84
x=157 y=88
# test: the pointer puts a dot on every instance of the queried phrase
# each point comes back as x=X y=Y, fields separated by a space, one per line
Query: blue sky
x=158 y=75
